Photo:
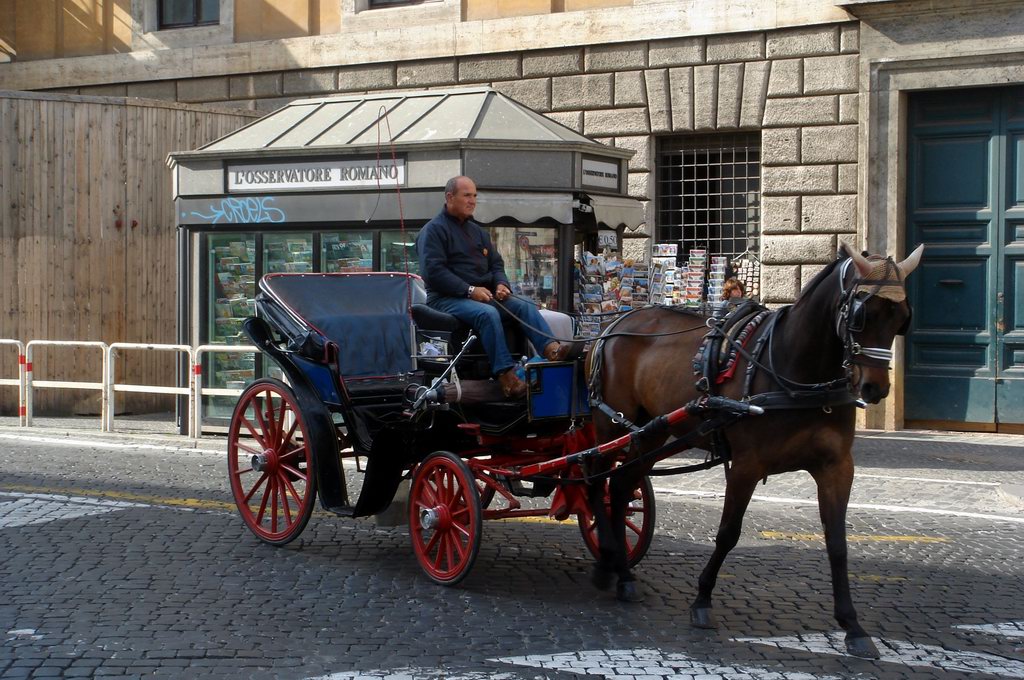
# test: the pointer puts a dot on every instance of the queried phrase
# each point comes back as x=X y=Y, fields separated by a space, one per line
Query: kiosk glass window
x=287 y=253
x=346 y=251
x=231 y=266
x=397 y=250
x=531 y=261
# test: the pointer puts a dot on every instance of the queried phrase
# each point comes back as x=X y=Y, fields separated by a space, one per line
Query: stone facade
x=798 y=86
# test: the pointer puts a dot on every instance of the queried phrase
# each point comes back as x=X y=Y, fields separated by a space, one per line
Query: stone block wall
x=799 y=86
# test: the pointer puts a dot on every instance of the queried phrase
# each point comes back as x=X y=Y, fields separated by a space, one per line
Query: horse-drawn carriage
x=373 y=373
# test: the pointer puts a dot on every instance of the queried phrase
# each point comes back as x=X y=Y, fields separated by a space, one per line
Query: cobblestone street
x=123 y=556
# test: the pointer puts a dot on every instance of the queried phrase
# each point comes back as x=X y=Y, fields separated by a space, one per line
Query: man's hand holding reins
x=481 y=294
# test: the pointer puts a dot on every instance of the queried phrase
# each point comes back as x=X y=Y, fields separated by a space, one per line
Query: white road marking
x=102 y=444
x=1012 y=629
x=37 y=508
x=926 y=479
x=649 y=663
x=415 y=674
x=860 y=506
x=904 y=653
x=23 y=634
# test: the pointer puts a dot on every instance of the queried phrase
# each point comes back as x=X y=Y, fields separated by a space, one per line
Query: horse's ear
x=863 y=266
x=910 y=264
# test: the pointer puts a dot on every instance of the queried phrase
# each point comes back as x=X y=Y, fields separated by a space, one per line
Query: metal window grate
x=709 y=192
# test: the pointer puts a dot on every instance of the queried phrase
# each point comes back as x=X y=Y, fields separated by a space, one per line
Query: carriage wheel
x=639 y=523
x=445 y=521
x=270 y=462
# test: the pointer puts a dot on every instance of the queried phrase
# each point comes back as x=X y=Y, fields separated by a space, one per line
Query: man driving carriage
x=465 y=277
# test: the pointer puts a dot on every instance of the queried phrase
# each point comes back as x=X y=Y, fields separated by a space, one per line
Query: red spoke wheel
x=445 y=520
x=639 y=523
x=270 y=462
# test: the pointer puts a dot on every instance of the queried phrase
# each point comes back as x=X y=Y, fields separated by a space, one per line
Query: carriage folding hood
x=315 y=164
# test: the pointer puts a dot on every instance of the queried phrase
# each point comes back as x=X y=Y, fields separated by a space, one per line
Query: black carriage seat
x=474 y=365
x=366 y=316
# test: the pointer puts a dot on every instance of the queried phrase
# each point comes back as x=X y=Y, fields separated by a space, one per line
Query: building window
x=185 y=13
x=373 y=4
x=709 y=193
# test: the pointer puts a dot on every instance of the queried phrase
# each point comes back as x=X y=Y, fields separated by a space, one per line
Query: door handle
x=951 y=282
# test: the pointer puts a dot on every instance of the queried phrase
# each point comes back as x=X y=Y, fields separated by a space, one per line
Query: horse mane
x=818 y=278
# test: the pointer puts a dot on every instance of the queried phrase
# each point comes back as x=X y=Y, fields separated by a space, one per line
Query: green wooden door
x=965 y=201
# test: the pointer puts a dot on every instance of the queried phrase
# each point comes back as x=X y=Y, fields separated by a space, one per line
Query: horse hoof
x=626 y=591
x=602 y=578
x=862 y=647
x=701 y=617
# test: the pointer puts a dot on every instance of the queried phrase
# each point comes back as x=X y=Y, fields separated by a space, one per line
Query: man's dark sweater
x=455 y=256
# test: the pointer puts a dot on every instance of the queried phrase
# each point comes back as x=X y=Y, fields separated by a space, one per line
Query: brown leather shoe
x=511 y=385
x=557 y=351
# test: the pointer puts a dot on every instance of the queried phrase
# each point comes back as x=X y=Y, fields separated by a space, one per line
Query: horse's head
x=872 y=311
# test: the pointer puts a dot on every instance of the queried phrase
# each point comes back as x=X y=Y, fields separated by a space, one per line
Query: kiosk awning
x=613 y=211
x=522 y=207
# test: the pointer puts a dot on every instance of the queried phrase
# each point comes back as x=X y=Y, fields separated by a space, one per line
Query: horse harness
x=730 y=331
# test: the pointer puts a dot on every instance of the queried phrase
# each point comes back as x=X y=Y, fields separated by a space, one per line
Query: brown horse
x=833 y=340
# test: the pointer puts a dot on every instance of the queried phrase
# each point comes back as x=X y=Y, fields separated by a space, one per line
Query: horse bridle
x=851 y=316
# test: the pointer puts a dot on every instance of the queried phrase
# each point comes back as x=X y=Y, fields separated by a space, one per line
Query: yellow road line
x=192 y=503
x=853 y=538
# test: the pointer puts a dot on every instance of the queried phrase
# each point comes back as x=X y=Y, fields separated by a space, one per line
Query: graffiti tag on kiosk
x=250 y=210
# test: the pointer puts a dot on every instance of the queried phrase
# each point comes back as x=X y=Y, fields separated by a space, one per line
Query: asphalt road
x=124 y=557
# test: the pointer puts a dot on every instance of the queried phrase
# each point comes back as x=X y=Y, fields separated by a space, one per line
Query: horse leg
x=739 y=488
x=603 y=572
x=620 y=493
x=834 y=483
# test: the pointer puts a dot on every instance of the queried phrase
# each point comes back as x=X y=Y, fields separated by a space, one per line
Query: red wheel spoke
x=448 y=551
x=431 y=495
x=460 y=513
x=440 y=550
x=291 y=453
x=462 y=530
x=247 y=449
x=438 y=485
x=255 y=487
x=257 y=409
x=431 y=543
x=280 y=420
x=282 y=484
x=255 y=435
x=634 y=527
x=459 y=547
x=263 y=505
x=273 y=505
x=288 y=437
x=294 y=471
x=288 y=485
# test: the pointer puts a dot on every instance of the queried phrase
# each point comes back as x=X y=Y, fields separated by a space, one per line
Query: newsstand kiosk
x=317 y=187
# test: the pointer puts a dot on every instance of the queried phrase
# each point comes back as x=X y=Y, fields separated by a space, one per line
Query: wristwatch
x=469 y=293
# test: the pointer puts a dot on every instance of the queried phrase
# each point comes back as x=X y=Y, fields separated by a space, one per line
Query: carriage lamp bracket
x=432 y=396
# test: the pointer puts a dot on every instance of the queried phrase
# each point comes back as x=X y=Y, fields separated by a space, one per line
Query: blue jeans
x=486 y=321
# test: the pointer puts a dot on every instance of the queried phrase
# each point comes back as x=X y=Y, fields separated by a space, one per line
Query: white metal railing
x=31 y=384
x=113 y=386
x=108 y=385
x=198 y=391
x=20 y=380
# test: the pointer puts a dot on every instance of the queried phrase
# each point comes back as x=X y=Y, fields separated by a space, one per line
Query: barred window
x=185 y=13
x=709 y=192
